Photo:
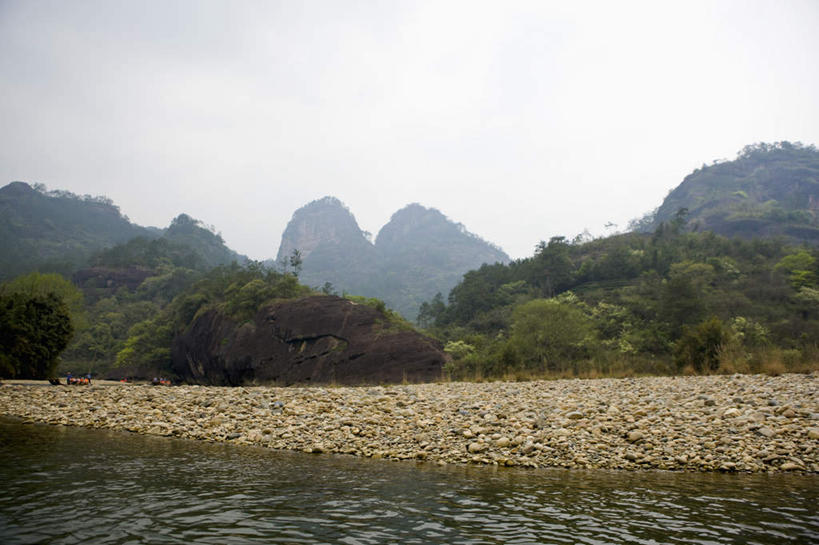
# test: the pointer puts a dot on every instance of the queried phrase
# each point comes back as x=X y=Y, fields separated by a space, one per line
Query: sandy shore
x=717 y=423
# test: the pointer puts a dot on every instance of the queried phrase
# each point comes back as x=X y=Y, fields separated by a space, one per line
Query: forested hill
x=56 y=230
x=422 y=253
x=419 y=253
x=768 y=190
x=63 y=232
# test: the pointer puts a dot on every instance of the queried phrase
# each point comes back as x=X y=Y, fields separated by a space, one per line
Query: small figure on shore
x=88 y=376
x=68 y=378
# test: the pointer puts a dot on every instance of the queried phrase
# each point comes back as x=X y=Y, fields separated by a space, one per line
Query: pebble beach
x=738 y=423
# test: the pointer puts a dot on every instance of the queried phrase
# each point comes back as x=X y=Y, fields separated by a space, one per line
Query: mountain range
x=58 y=231
x=418 y=253
x=768 y=190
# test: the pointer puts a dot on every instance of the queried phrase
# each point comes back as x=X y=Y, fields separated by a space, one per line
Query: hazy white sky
x=522 y=120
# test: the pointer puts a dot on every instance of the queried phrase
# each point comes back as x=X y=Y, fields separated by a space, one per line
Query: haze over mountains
x=142 y=285
x=60 y=231
x=768 y=190
x=418 y=253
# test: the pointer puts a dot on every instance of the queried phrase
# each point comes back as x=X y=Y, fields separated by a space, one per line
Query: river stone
x=766 y=432
x=678 y=431
x=574 y=415
x=732 y=412
x=635 y=436
x=476 y=447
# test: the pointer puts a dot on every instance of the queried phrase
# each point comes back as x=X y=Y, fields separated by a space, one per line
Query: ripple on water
x=89 y=486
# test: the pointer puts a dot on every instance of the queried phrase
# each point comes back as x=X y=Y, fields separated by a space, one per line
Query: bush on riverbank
x=34 y=330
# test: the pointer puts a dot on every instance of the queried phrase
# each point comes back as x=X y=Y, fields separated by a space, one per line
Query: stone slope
x=322 y=339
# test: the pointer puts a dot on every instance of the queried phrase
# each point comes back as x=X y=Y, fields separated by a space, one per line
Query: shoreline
x=738 y=423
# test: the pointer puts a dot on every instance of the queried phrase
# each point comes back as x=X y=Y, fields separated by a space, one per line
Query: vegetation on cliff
x=234 y=290
x=768 y=190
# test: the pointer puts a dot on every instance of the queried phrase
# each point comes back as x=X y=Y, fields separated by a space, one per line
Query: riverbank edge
x=740 y=423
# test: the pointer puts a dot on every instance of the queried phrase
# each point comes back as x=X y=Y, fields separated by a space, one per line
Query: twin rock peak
x=418 y=253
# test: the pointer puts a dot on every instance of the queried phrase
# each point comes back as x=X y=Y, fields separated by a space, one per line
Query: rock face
x=419 y=253
x=319 y=339
x=768 y=190
x=333 y=248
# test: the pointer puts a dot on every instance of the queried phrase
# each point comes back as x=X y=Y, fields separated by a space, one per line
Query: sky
x=521 y=120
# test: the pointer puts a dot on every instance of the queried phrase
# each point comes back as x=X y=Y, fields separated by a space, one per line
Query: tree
x=799 y=267
x=38 y=284
x=547 y=334
x=553 y=267
x=34 y=330
x=429 y=312
x=296 y=262
x=700 y=346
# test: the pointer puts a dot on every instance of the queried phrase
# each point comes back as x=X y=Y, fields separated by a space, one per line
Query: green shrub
x=700 y=346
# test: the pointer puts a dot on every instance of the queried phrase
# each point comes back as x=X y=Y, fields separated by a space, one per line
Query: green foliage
x=39 y=284
x=800 y=267
x=430 y=312
x=701 y=346
x=34 y=330
x=638 y=296
x=149 y=253
x=238 y=291
x=393 y=320
x=56 y=231
x=548 y=334
x=459 y=349
x=767 y=190
x=188 y=232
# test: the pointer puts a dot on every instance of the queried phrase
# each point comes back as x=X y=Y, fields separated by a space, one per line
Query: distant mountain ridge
x=768 y=190
x=60 y=231
x=417 y=254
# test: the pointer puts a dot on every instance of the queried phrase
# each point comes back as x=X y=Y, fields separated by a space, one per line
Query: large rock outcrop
x=419 y=253
x=318 y=339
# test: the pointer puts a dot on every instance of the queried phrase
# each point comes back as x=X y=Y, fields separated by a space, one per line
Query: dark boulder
x=319 y=339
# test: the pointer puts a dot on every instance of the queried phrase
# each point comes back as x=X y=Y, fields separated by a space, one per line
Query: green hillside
x=56 y=230
x=126 y=273
x=660 y=303
x=768 y=190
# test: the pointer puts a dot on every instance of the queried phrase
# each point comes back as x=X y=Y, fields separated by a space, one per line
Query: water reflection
x=65 y=485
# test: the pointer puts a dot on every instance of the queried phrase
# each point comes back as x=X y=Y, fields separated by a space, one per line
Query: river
x=74 y=485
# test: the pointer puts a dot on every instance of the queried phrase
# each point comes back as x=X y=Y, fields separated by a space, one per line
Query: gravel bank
x=717 y=423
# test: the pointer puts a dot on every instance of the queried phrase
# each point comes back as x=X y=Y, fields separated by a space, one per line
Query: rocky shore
x=746 y=423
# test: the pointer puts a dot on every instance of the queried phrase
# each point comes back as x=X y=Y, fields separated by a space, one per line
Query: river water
x=73 y=485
